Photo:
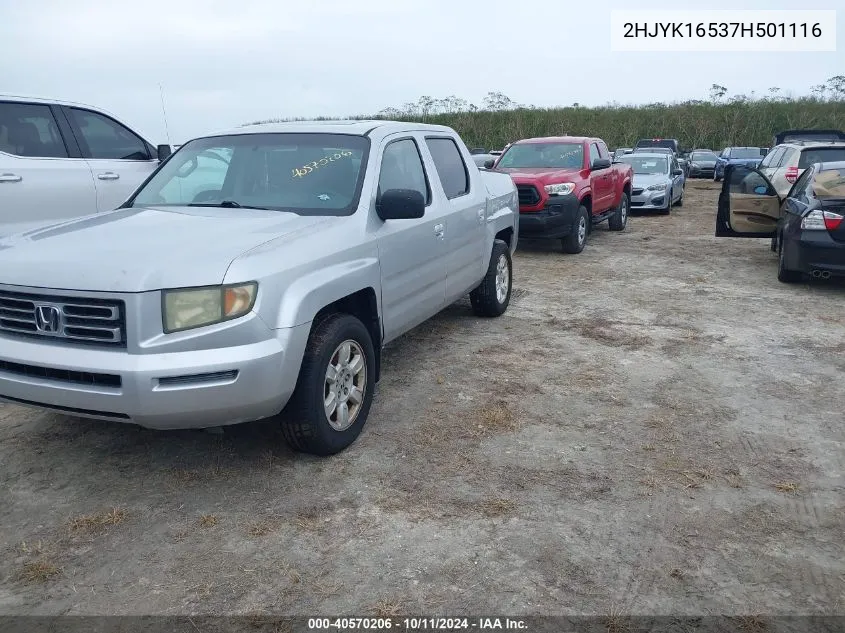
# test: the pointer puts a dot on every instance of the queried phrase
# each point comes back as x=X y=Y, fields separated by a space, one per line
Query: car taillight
x=821 y=221
x=792 y=174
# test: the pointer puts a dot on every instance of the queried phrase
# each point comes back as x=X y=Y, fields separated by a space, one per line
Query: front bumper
x=177 y=390
x=702 y=172
x=555 y=220
x=649 y=200
x=809 y=251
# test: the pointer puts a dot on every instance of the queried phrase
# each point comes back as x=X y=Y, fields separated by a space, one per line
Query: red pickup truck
x=567 y=184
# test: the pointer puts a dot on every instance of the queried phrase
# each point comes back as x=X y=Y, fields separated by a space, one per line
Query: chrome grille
x=66 y=319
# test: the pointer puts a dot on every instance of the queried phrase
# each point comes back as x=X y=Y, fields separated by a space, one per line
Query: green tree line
x=715 y=123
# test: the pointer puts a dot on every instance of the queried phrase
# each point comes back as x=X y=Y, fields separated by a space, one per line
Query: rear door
x=40 y=180
x=119 y=159
x=770 y=161
x=465 y=204
x=783 y=173
x=748 y=204
x=412 y=253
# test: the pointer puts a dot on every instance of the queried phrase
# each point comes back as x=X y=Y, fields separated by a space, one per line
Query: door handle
x=481 y=216
x=10 y=178
x=439 y=230
x=109 y=175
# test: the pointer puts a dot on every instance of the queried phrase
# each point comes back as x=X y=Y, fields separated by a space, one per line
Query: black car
x=702 y=163
x=807 y=227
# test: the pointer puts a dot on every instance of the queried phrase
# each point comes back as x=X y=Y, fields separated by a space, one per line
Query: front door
x=412 y=253
x=119 y=159
x=600 y=183
x=749 y=206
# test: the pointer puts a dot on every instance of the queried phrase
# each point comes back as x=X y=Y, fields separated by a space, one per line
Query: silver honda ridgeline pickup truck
x=256 y=273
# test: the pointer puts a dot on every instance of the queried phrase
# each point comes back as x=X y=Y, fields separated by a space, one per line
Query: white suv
x=63 y=160
x=787 y=161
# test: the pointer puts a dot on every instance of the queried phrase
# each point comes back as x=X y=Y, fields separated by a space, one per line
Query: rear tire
x=309 y=424
x=619 y=220
x=575 y=241
x=493 y=294
x=784 y=274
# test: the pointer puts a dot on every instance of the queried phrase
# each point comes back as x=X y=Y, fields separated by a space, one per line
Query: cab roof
x=557 y=139
x=345 y=126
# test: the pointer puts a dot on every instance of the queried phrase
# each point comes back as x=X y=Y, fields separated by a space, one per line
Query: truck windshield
x=308 y=174
x=646 y=164
x=745 y=152
x=543 y=155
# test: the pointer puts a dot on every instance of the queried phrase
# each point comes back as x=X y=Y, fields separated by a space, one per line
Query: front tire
x=786 y=275
x=680 y=201
x=716 y=177
x=334 y=391
x=493 y=294
x=619 y=220
x=575 y=241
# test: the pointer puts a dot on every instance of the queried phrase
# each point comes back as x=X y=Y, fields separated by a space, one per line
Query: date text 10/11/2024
x=416 y=624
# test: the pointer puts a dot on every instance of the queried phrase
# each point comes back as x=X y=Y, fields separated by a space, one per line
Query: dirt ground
x=654 y=427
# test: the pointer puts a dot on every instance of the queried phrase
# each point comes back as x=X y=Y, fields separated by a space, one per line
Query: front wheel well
x=506 y=235
x=363 y=306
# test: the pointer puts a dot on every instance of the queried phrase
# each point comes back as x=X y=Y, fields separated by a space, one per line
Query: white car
x=787 y=161
x=62 y=160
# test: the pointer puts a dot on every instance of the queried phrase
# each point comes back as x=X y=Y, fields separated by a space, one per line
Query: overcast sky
x=224 y=63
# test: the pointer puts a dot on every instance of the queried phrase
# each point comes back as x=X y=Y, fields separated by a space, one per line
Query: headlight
x=561 y=189
x=657 y=188
x=195 y=307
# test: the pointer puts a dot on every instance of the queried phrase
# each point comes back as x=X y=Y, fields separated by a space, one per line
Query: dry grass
x=89 y=523
x=615 y=622
x=751 y=623
x=260 y=528
x=492 y=508
x=208 y=520
x=38 y=571
x=387 y=608
x=787 y=487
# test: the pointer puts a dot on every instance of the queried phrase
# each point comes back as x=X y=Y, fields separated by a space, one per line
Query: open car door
x=749 y=206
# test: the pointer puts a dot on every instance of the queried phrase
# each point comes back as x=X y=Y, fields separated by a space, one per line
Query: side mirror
x=400 y=204
x=600 y=163
x=677 y=172
x=163 y=151
x=488 y=164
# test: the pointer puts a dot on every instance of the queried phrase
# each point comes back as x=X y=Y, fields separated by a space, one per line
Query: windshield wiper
x=226 y=204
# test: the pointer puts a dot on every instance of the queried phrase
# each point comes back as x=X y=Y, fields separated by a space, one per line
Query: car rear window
x=820 y=155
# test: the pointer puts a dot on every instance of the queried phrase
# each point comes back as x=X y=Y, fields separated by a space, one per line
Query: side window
x=726 y=153
x=787 y=157
x=28 y=129
x=402 y=168
x=675 y=164
x=776 y=156
x=594 y=152
x=603 y=151
x=801 y=186
x=767 y=159
x=103 y=137
x=450 y=166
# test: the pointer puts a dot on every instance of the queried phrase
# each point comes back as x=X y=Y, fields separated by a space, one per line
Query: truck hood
x=141 y=249
x=541 y=175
